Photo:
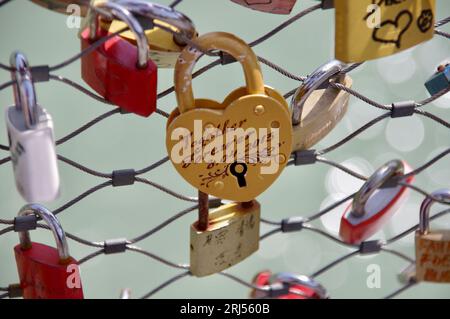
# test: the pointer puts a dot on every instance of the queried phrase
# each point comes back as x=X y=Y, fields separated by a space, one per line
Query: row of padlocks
x=138 y=38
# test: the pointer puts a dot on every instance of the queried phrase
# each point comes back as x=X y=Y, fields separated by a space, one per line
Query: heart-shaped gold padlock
x=235 y=149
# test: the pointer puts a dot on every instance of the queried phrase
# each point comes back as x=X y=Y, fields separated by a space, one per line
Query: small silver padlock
x=31 y=138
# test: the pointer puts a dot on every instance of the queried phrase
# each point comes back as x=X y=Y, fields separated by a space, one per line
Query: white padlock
x=31 y=139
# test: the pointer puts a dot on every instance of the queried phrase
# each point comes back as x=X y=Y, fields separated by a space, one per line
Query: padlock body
x=322 y=111
x=232 y=235
x=433 y=256
x=438 y=82
x=273 y=6
x=380 y=208
x=112 y=71
x=33 y=156
x=237 y=114
x=42 y=276
x=389 y=27
x=295 y=291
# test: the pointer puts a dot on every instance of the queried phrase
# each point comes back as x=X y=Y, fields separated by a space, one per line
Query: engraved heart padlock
x=235 y=149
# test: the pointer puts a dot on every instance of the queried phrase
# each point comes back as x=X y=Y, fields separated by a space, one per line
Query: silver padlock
x=31 y=138
x=316 y=107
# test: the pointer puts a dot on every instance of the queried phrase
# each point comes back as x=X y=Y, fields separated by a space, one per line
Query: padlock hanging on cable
x=297 y=286
x=235 y=149
x=46 y=272
x=31 y=138
x=117 y=70
x=165 y=28
x=366 y=30
x=432 y=246
x=440 y=80
x=62 y=6
x=375 y=203
x=316 y=107
x=223 y=237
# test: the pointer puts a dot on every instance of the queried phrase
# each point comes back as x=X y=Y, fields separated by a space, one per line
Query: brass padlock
x=368 y=29
x=223 y=237
x=316 y=107
x=432 y=247
x=165 y=47
x=223 y=149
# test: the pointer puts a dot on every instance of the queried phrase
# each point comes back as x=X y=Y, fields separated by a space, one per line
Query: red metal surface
x=41 y=274
x=263 y=279
x=111 y=70
x=356 y=233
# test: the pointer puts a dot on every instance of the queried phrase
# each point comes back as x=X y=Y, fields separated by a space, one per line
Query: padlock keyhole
x=239 y=170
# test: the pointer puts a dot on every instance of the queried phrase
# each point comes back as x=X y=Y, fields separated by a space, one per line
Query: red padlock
x=300 y=287
x=373 y=205
x=269 y=6
x=117 y=70
x=46 y=272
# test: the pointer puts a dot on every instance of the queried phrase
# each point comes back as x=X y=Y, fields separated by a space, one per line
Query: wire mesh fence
x=303 y=223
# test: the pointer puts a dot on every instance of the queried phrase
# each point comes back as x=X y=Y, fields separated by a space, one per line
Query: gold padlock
x=432 y=247
x=236 y=163
x=317 y=108
x=158 y=22
x=368 y=29
x=224 y=237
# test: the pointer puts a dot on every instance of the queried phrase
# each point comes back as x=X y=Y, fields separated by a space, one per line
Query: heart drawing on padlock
x=252 y=135
x=392 y=31
x=371 y=29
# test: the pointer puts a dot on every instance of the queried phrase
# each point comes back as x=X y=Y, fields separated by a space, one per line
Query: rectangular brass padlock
x=231 y=236
x=433 y=256
x=370 y=29
x=432 y=246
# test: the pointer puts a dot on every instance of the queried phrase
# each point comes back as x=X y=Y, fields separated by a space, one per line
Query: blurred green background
x=128 y=141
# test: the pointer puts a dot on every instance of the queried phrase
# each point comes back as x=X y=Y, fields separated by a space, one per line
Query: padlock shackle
x=24 y=92
x=111 y=10
x=301 y=280
x=203 y=211
x=53 y=223
x=318 y=79
x=220 y=41
x=425 y=207
x=377 y=180
x=153 y=11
